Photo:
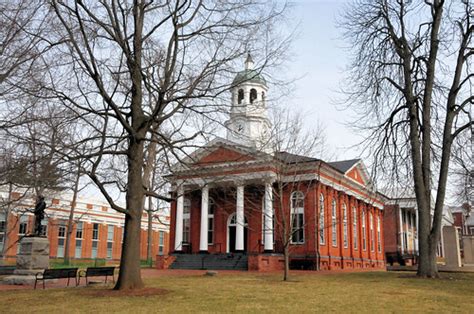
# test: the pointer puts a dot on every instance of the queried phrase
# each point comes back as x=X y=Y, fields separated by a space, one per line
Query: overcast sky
x=318 y=60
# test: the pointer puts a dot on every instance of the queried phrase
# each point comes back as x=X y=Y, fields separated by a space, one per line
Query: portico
x=224 y=213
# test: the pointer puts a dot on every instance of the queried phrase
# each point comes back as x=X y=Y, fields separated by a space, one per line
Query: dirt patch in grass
x=145 y=292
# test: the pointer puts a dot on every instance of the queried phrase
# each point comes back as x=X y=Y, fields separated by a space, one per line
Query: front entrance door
x=231 y=232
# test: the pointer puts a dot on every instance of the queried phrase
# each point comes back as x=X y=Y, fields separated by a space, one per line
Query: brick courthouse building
x=97 y=230
x=227 y=208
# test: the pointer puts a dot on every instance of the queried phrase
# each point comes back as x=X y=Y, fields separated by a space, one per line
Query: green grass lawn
x=250 y=292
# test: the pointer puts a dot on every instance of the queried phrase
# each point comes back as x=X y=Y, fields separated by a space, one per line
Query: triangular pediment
x=224 y=155
x=220 y=152
x=356 y=175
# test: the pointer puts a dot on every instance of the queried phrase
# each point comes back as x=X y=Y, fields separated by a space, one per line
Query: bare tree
x=31 y=134
x=411 y=82
x=13 y=175
x=293 y=148
x=76 y=188
x=23 y=38
x=119 y=52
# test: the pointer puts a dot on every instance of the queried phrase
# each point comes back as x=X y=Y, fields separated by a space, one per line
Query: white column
x=239 y=229
x=204 y=218
x=402 y=242
x=178 y=234
x=268 y=218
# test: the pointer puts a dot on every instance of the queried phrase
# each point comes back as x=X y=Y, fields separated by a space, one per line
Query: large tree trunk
x=130 y=276
x=70 y=222
x=428 y=267
x=427 y=253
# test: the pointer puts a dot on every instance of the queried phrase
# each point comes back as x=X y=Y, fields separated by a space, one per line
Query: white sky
x=317 y=60
x=319 y=57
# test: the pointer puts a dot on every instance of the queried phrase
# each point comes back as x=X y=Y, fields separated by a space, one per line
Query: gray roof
x=343 y=165
x=250 y=76
x=293 y=158
x=394 y=192
x=457 y=209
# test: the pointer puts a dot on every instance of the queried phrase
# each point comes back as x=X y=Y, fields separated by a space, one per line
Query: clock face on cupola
x=248 y=124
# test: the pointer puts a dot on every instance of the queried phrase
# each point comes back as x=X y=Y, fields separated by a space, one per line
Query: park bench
x=97 y=272
x=57 y=274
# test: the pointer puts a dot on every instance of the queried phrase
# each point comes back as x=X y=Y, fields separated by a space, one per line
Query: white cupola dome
x=248 y=124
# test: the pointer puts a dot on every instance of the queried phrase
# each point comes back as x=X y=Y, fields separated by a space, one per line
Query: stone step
x=210 y=261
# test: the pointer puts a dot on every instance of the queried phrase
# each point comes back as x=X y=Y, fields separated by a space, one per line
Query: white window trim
x=364 y=232
x=355 y=231
x=322 y=217
x=334 y=223
x=187 y=216
x=372 y=234
x=345 y=228
x=297 y=211
x=379 y=240
x=210 y=226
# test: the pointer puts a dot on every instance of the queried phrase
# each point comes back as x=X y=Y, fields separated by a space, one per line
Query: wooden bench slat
x=57 y=274
x=99 y=271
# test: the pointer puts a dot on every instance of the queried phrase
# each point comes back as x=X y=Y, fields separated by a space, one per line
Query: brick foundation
x=164 y=261
x=266 y=262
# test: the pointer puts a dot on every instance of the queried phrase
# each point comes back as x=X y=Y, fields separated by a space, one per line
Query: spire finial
x=249 y=62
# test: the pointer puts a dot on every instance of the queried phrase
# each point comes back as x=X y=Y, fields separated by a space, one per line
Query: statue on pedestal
x=33 y=256
x=39 y=215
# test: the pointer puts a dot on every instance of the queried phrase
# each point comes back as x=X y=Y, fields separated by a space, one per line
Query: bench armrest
x=39 y=273
x=82 y=273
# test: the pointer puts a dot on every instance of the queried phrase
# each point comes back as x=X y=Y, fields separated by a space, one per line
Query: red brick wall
x=391 y=222
x=52 y=232
x=331 y=256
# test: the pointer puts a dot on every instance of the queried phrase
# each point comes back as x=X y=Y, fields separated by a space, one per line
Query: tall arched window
x=364 y=232
x=253 y=95
x=186 y=221
x=344 y=225
x=240 y=96
x=334 y=223
x=322 y=239
x=297 y=217
x=379 y=240
x=371 y=222
x=210 y=221
x=354 y=222
x=263 y=98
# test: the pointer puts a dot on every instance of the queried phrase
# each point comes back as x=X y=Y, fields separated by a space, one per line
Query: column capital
x=239 y=182
x=269 y=180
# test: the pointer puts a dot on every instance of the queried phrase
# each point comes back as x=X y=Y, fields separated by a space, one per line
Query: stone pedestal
x=468 y=246
x=451 y=246
x=32 y=259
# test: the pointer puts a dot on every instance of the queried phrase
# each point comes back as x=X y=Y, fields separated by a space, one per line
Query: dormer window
x=253 y=95
x=240 y=96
